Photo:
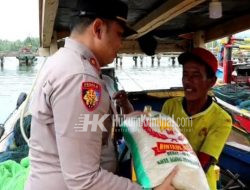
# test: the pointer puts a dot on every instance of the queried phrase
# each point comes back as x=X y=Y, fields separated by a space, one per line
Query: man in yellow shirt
x=205 y=124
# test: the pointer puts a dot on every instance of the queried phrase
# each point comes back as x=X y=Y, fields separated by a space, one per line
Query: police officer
x=70 y=144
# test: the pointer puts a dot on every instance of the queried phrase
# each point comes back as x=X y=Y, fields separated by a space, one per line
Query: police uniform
x=206 y=131
x=63 y=155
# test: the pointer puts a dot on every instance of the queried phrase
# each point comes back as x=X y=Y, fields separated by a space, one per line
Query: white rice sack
x=157 y=146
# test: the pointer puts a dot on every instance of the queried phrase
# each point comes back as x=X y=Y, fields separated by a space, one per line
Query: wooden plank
x=239 y=146
x=49 y=11
x=53 y=45
x=52 y=49
x=230 y=27
x=167 y=11
x=232 y=108
x=132 y=47
x=40 y=19
x=199 y=39
x=44 y=52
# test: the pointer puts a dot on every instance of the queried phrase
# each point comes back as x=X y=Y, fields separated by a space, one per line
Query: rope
x=25 y=103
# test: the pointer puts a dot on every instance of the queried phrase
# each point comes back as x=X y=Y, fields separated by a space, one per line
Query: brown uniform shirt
x=62 y=154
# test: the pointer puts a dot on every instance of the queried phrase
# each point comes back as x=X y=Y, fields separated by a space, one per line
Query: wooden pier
x=156 y=58
x=26 y=58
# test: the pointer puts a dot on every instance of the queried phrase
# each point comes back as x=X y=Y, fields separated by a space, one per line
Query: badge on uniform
x=91 y=95
x=94 y=63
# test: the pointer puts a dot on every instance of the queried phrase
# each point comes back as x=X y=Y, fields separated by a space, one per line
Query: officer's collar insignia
x=94 y=63
x=91 y=95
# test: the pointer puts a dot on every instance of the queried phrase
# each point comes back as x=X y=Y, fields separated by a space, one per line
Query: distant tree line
x=29 y=42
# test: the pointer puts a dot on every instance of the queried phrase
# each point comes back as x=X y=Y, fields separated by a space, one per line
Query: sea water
x=15 y=79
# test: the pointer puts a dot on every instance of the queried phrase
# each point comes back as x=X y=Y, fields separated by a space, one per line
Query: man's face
x=111 y=42
x=195 y=81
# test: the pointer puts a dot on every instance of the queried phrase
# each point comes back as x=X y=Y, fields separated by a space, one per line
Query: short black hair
x=79 y=24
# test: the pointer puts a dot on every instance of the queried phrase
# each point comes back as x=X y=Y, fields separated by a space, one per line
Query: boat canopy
x=176 y=24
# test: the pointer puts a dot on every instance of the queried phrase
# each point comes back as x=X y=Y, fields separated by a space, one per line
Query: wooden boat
x=26 y=57
x=176 y=25
x=235 y=158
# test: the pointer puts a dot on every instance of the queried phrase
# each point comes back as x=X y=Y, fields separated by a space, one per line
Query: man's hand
x=166 y=185
x=122 y=101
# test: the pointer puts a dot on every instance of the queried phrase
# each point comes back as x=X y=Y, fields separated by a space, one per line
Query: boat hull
x=237 y=161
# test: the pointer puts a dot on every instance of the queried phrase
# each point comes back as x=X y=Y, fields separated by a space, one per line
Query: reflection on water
x=15 y=79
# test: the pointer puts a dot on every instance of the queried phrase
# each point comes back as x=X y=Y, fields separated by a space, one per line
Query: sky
x=245 y=34
x=19 y=19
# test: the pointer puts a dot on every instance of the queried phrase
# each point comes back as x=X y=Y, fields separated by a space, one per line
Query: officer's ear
x=98 y=27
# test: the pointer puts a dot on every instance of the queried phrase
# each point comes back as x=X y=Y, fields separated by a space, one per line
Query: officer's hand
x=122 y=101
x=166 y=185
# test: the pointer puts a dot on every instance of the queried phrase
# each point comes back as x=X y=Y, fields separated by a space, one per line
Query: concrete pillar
x=199 y=39
x=1 y=61
x=121 y=61
x=26 y=61
x=53 y=45
x=159 y=59
x=141 y=58
x=152 y=59
x=173 y=61
x=116 y=62
x=44 y=52
x=135 y=60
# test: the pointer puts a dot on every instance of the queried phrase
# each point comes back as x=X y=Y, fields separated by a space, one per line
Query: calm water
x=15 y=79
x=149 y=77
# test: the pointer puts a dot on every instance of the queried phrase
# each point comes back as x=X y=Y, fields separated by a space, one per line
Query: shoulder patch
x=91 y=95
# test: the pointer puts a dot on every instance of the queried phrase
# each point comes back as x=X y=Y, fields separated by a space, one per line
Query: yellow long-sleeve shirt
x=206 y=131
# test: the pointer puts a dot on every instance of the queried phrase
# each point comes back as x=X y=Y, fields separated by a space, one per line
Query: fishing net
x=17 y=148
x=237 y=95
